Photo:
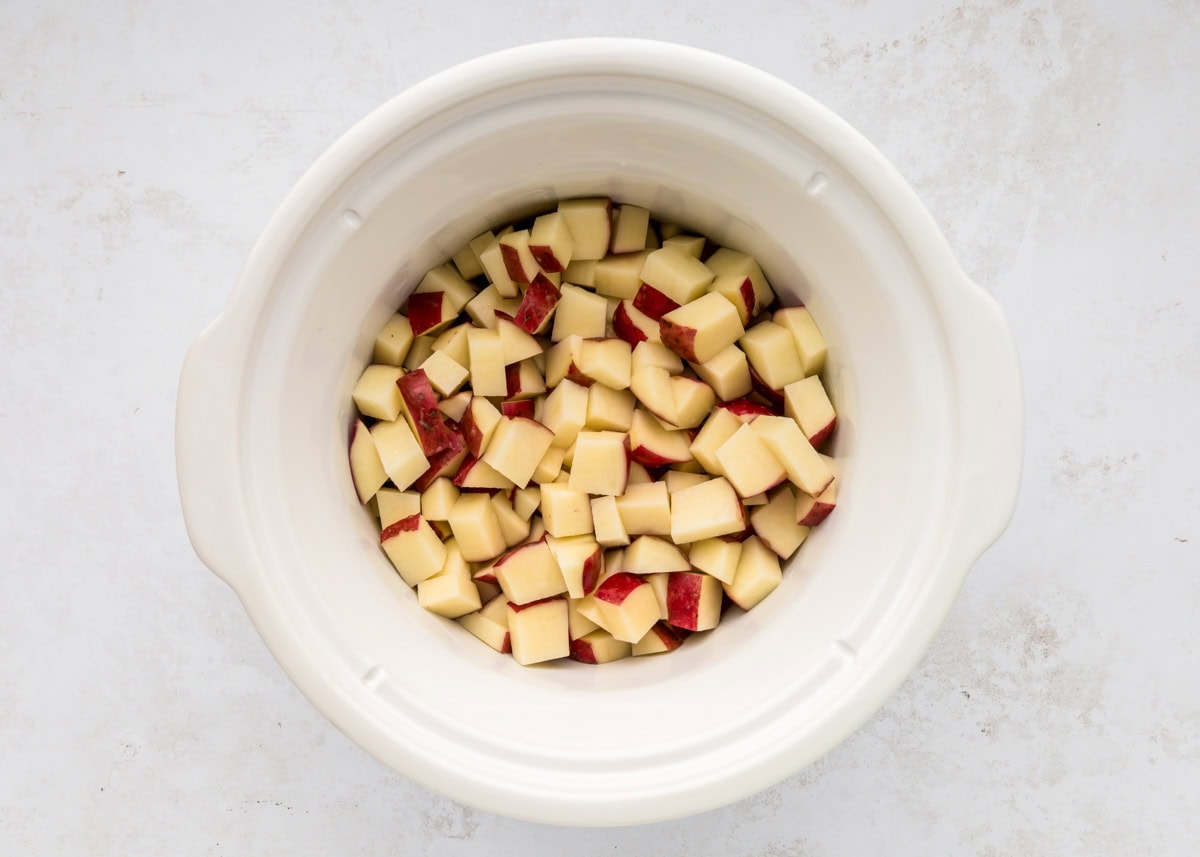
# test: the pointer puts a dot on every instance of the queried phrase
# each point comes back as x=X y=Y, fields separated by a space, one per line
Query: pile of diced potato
x=618 y=440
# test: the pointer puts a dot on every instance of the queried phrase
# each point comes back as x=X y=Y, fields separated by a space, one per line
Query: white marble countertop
x=144 y=145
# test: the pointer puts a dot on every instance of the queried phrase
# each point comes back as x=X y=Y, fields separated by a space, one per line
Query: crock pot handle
x=207 y=459
x=991 y=409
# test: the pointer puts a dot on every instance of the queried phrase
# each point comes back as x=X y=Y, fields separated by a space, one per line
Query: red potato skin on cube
x=545 y=258
x=537 y=304
x=444 y=463
x=591 y=571
x=471 y=433
x=404 y=525
x=746 y=290
x=680 y=339
x=517 y=608
x=574 y=375
x=670 y=637
x=746 y=532
x=512 y=263
x=517 y=408
x=824 y=434
x=624 y=327
x=646 y=458
x=432 y=431
x=617 y=588
x=424 y=311
x=464 y=471
x=581 y=650
x=818 y=513
x=761 y=387
x=488 y=576
x=747 y=407
x=683 y=600
x=653 y=302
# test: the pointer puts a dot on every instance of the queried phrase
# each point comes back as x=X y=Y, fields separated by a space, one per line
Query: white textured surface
x=142 y=149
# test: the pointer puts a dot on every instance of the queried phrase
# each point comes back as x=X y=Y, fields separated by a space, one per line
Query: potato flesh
x=593 y=445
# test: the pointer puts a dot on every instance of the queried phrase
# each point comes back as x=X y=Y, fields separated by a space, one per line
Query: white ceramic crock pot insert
x=921 y=367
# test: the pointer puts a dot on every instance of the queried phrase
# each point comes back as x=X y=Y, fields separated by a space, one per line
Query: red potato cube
x=772 y=354
x=747 y=410
x=449 y=595
x=395 y=505
x=653 y=555
x=525 y=501
x=675 y=274
x=466 y=260
x=702 y=329
x=677 y=480
x=638 y=474
x=476 y=475
x=445 y=280
x=807 y=403
x=551 y=243
x=718 y=428
x=519 y=260
x=476 y=528
x=490 y=624
x=645 y=509
x=453 y=342
x=694 y=601
x=600 y=464
x=486 y=356
x=693 y=401
x=581 y=272
x=811 y=511
x=561 y=362
x=716 y=557
x=516 y=448
x=590 y=223
x=539 y=632
x=619 y=276
x=454 y=408
x=609 y=409
x=579 y=313
x=804 y=466
x=606 y=361
x=599 y=647
x=519 y=409
x=739 y=291
x=693 y=245
x=494 y=266
x=773 y=398
x=627 y=606
x=422 y=347
x=484 y=307
x=656 y=354
x=749 y=464
x=606 y=521
x=537 y=305
x=658 y=582
x=430 y=312
x=444 y=373
x=705 y=511
x=393 y=341
x=728 y=373
x=438 y=499
x=421 y=409
x=366 y=469
x=478 y=424
x=654 y=446
x=775 y=523
x=652 y=387
x=630 y=226
x=565 y=412
x=652 y=302
x=399 y=452
x=659 y=639
x=375 y=394
x=523 y=380
x=578 y=625
x=514 y=528
x=516 y=344
x=633 y=325
x=414 y=549
x=581 y=561
x=757 y=576
x=444 y=463
x=565 y=512
x=810 y=344
x=529 y=573
x=728 y=261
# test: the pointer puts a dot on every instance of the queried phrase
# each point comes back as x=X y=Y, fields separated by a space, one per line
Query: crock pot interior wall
x=717 y=168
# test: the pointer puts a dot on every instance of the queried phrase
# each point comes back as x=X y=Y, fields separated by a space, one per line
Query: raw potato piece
x=606 y=520
x=529 y=573
x=630 y=227
x=516 y=343
x=395 y=504
x=590 y=224
x=749 y=463
x=775 y=523
x=483 y=307
x=449 y=595
x=581 y=561
x=806 y=402
x=492 y=261
x=720 y=427
x=772 y=354
x=490 y=624
x=375 y=393
x=453 y=343
x=702 y=329
x=609 y=409
x=454 y=407
x=446 y=280
x=652 y=445
x=645 y=509
x=652 y=555
x=791 y=448
x=653 y=388
x=577 y=624
x=600 y=465
x=399 y=451
x=519 y=261
x=476 y=528
x=551 y=243
x=480 y=475
x=633 y=325
x=693 y=245
x=653 y=302
x=565 y=512
x=579 y=313
x=716 y=557
x=414 y=549
x=757 y=576
x=365 y=467
x=516 y=448
x=677 y=480
x=515 y=528
x=656 y=354
x=479 y=424
x=705 y=511
x=599 y=647
x=523 y=380
x=565 y=413
x=620 y=276
x=658 y=582
x=810 y=344
x=444 y=373
x=549 y=467
x=486 y=350
x=726 y=261
x=537 y=305
x=539 y=631
x=422 y=347
x=811 y=511
x=680 y=277
x=693 y=401
x=393 y=341
x=466 y=260
x=606 y=361
x=694 y=601
x=627 y=606
x=661 y=638
x=438 y=500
